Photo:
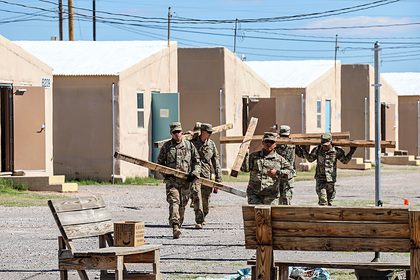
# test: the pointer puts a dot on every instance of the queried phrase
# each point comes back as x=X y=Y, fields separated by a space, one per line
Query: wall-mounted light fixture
x=21 y=90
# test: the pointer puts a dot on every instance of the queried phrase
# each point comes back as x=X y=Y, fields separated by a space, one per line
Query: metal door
x=265 y=110
x=29 y=128
x=327 y=115
x=165 y=110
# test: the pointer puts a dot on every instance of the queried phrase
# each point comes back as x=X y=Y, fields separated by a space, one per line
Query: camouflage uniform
x=209 y=158
x=326 y=168
x=288 y=152
x=263 y=189
x=184 y=157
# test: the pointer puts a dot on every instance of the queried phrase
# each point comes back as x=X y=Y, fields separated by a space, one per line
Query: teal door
x=327 y=115
x=165 y=110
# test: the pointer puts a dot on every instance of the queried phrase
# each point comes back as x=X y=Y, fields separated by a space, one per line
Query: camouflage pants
x=201 y=198
x=177 y=195
x=325 y=192
x=286 y=191
x=267 y=196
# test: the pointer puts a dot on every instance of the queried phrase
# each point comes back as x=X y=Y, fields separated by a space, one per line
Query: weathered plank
x=264 y=241
x=244 y=147
x=314 y=142
x=338 y=264
x=77 y=203
x=334 y=244
x=319 y=213
x=217 y=129
x=84 y=216
x=178 y=174
x=88 y=230
x=258 y=138
x=117 y=251
x=415 y=240
x=335 y=229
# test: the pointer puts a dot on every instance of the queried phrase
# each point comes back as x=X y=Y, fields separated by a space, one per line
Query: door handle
x=42 y=128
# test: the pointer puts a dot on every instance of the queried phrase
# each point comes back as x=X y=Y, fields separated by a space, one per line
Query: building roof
x=91 y=57
x=405 y=84
x=291 y=74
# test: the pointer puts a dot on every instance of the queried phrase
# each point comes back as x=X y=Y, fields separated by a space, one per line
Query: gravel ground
x=29 y=235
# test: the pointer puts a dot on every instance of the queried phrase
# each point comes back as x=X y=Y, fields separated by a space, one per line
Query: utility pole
x=336 y=48
x=71 y=26
x=169 y=25
x=234 y=42
x=94 y=20
x=377 y=86
x=60 y=19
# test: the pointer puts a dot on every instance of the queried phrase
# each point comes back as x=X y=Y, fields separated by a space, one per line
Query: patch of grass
x=142 y=181
x=128 y=181
x=17 y=195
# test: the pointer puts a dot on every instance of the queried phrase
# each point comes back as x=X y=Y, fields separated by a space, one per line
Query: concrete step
x=54 y=183
x=400 y=160
x=355 y=163
x=58 y=187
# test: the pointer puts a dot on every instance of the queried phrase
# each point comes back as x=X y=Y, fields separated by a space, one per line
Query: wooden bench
x=88 y=217
x=357 y=229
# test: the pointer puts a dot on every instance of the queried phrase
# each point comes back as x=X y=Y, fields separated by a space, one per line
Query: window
x=318 y=113
x=140 y=110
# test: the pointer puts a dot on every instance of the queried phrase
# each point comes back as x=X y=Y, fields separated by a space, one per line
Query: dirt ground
x=29 y=235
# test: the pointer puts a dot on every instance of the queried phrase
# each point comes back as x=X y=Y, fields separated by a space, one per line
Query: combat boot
x=199 y=226
x=176 y=232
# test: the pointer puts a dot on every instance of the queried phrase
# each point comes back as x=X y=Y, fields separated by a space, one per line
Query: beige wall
x=357 y=80
x=408 y=124
x=157 y=73
x=202 y=73
x=18 y=67
x=83 y=118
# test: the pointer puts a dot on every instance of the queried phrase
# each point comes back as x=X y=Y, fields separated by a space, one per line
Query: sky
x=258 y=30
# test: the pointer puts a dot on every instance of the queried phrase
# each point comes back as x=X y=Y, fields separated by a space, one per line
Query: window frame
x=318 y=113
x=140 y=109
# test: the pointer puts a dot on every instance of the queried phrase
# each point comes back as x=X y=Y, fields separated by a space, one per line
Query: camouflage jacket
x=258 y=164
x=182 y=156
x=289 y=153
x=326 y=166
x=209 y=158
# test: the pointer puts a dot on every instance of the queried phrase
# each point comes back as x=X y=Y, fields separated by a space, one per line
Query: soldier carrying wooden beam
x=326 y=156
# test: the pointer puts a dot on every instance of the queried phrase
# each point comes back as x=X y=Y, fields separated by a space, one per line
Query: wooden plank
x=319 y=213
x=415 y=244
x=84 y=216
x=117 y=251
x=338 y=264
x=334 y=244
x=258 y=138
x=217 y=129
x=341 y=229
x=179 y=174
x=88 y=230
x=244 y=147
x=77 y=203
x=264 y=241
x=312 y=142
x=341 y=244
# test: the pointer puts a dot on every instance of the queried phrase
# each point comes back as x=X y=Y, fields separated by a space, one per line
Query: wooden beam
x=414 y=216
x=178 y=174
x=313 y=142
x=258 y=138
x=265 y=256
x=244 y=147
x=217 y=129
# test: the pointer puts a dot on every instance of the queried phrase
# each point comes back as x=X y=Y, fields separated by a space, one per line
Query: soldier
x=267 y=168
x=326 y=155
x=288 y=152
x=209 y=158
x=179 y=154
